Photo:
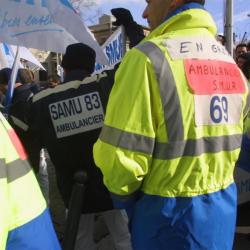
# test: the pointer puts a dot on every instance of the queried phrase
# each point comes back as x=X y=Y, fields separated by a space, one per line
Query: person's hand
x=133 y=30
x=123 y=16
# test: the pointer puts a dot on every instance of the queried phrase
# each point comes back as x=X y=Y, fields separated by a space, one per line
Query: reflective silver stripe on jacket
x=3 y=173
x=169 y=150
x=126 y=140
x=196 y=147
x=13 y=170
x=169 y=95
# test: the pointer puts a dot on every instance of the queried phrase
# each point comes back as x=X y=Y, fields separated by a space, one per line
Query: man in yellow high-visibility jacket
x=25 y=222
x=173 y=131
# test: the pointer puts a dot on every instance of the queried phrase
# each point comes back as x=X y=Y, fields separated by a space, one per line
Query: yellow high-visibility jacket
x=174 y=120
x=21 y=202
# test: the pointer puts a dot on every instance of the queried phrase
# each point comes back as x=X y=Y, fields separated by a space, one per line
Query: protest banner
x=49 y=25
x=114 y=48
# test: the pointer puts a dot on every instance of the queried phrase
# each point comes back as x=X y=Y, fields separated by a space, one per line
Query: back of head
x=25 y=76
x=5 y=75
x=79 y=56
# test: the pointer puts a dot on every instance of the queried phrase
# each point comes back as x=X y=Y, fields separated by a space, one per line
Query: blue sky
x=241 y=9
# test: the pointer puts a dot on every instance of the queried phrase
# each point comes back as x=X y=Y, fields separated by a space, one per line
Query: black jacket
x=67 y=121
x=17 y=117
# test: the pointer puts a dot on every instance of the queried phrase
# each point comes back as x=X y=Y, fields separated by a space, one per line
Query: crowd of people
x=157 y=140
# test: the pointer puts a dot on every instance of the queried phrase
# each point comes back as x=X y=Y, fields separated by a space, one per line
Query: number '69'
x=219 y=109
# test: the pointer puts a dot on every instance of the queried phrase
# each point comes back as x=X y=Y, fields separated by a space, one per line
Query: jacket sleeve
x=36 y=234
x=20 y=113
x=124 y=149
x=135 y=34
x=24 y=214
x=244 y=156
x=133 y=30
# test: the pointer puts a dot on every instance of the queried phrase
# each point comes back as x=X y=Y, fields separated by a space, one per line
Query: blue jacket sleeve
x=37 y=234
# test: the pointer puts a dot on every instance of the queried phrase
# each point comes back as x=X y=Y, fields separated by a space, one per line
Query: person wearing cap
x=67 y=120
x=172 y=132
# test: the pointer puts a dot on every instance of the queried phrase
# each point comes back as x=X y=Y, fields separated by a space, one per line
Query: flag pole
x=12 y=81
x=228 y=27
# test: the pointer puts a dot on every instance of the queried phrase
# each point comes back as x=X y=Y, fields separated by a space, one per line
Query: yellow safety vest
x=174 y=120
x=20 y=196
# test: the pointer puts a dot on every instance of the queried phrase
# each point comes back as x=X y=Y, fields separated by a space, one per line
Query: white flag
x=25 y=54
x=44 y=24
x=7 y=56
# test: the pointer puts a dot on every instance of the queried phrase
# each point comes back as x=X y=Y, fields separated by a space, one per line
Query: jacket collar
x=75 y=75
x=186 y=19
x=20 y=89
x=184 y=7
